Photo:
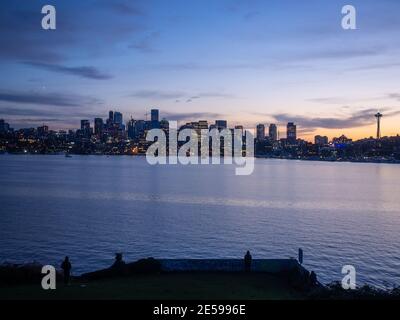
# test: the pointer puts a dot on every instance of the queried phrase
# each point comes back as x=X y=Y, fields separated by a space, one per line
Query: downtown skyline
x=248 y=62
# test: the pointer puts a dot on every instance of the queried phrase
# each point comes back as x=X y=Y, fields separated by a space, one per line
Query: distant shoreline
x=375 y=161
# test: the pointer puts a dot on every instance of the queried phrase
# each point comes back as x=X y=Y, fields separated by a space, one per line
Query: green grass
x=165 y=286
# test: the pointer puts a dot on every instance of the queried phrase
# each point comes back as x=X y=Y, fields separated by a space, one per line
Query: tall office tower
x=2 y=125
x=221 y=124
x=98 y=126
x=110 y=116
x=291 y=132
x=203 y=124
x=140 y=128
x=118 y=118
x=85 y=128
x=154 y=120
x=260 y=132
x=154 y=115
x=85 y=124
x=131 y=129
x=273 y=132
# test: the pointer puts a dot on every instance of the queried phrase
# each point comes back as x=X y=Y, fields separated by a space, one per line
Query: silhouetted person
x=313 y=279
x=118 y=263
x=247 y=262
x=66 y=266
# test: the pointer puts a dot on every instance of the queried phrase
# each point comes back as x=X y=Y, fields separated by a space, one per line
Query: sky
x=247 y=61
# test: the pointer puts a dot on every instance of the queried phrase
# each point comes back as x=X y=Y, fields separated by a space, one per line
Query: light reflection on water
x=90 y=207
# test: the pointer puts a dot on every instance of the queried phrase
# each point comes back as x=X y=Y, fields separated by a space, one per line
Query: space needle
x=378 y=117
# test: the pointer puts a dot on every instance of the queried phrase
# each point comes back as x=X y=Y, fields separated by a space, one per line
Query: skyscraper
x=260 y=132
x=2 y=125
x=154 y=115
x=85 y=124
x=273 y=132
x=110 y=116
x=155 y=122
x=98 y=126
x=291 y=132
x=221 y=124
x=85 y=128
x=118 y=119
x=131 y=129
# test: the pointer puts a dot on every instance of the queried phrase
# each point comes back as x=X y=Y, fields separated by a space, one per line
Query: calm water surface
x=89 y=207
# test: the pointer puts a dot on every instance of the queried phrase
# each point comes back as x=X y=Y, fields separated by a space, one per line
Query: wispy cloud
x=83 y=71
x=146 y=44
x=191 y=116
x=356 y=119
x=47 y=99
x=125 y=7
x=157 y=94
x=395 y=96
x=177 y=95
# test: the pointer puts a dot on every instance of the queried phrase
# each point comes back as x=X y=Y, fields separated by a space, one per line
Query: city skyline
x=252 y=62
x=261 y=132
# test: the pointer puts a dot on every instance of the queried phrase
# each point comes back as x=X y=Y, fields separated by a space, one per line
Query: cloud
x=146 y=44
x=83 y=71
x=177 y=95
x=43 y=112
x=46 y=99
x=81 y=30
x=395 y=96
x=195 y=66
x=125 y=7
x=156 y=94
x=209 y=95
x=356 y=119
x=23 y=117
x=339 y=54
x=215 y=95
x=191 y=116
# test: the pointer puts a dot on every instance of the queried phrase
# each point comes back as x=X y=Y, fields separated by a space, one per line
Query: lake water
x=90 y=207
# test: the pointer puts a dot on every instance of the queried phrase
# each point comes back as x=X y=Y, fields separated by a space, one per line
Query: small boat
x=67 y=155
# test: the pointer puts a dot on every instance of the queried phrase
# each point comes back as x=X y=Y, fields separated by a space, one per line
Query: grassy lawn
x=165 y=286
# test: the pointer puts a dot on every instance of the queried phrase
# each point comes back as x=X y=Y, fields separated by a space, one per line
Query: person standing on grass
x=66 y=266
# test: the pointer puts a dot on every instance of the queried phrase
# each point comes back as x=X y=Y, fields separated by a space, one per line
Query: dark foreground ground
x=182 y=286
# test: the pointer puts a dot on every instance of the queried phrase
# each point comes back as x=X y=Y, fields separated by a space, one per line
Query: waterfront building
x=4 y=126
x=85 y=128
x=273 y=132
x=291 y=133
x=155 y=115
x=118 y=118
x=154 y=119
x=221 y=124
x=321 y=140
x=260 y=132
x=98 y=126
